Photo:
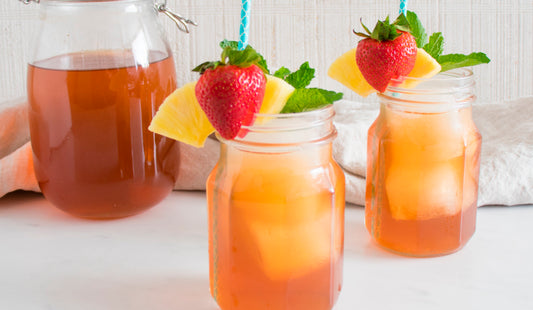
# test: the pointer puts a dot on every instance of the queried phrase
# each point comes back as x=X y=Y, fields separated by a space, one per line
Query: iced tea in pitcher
x=89 y=117
x=100 y=70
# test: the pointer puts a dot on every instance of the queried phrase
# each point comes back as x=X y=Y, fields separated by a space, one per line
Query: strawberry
x=386 y=53
x=231 y=91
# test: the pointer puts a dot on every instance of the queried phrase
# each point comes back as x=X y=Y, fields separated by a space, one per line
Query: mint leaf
x=453 y=61
x=417 y=29
x=302 y=77
x=282 y=73
x=226 y=43
x=435 y=46
x=306 y=99
x=329 y=95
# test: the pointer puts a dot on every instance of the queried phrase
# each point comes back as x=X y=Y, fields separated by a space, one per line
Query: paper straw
x=403 y=7
x=245 y=24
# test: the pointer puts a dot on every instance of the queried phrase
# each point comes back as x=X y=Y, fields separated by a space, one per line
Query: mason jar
x=99 y=71
x=276 y=215
x=423 y=166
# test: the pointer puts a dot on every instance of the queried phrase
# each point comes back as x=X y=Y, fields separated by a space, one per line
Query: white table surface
x=158 y=260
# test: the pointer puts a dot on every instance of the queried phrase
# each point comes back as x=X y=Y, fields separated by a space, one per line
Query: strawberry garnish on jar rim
x=181 y=117
x=386 y=53
x=230 y=91
x=429 y=59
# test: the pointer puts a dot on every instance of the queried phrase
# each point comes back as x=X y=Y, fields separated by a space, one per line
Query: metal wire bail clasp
x=180 y=21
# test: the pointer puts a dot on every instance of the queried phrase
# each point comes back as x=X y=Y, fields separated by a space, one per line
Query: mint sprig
x=307 y=99
x=417 y=29
x=453 y=61
x=435 y=47
x=303 y=98
x=298 y=79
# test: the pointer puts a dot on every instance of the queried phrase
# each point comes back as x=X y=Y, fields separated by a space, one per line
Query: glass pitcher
x=99 y=71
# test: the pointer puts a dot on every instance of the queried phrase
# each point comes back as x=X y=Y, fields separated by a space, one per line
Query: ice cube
x=421 y=192
x=290 y=251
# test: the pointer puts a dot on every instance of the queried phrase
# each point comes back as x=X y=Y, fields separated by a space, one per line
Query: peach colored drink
x=276 y=214
x=89 y=115
x=422 y=178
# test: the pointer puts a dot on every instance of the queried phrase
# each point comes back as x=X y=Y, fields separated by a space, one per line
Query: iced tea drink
x=97 y=74
x=89 y=114
x=276 y=216
x=423 y=167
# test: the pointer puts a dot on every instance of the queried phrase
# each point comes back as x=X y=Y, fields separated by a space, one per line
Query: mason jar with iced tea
x=423 y=166
x=276 y=215
x=98 y=73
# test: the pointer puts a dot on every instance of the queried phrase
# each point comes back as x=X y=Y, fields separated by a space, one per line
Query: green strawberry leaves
x=231 y=55
x=435 y=47
x=384 y=30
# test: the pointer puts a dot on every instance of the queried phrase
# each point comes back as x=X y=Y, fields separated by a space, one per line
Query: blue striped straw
x=245 y=24
x=403 y=7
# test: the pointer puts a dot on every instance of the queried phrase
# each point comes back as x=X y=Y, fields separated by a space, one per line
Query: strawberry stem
x=384 y=30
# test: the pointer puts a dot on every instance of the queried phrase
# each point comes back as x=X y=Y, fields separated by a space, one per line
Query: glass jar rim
x=454 y=74
x=443 y=92
x=286 y=131
x=264 y=120
x=461 y=77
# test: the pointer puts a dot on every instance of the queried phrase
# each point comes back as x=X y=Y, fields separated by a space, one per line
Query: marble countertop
x=158 y=260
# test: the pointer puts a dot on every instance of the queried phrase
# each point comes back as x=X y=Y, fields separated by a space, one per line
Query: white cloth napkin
x=506 y=176
x=506 y=171
x=16 y=164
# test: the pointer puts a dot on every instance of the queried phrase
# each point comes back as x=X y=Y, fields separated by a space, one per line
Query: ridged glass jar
x=423 y=166
x=276 y=215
